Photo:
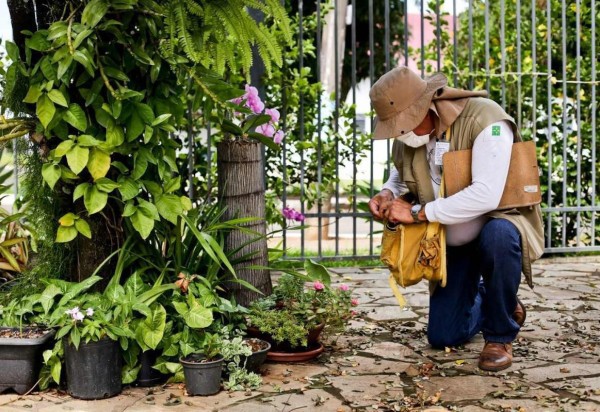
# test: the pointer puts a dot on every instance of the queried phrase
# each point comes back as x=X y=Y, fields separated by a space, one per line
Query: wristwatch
x=414 y=211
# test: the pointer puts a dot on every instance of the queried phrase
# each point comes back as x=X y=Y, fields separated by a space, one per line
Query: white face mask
x=414 y=140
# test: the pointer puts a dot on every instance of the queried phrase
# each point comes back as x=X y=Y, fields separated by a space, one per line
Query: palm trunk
x=242 y=191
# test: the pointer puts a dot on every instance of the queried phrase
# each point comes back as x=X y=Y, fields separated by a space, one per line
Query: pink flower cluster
x=291 y=214
x=77 y=315
x=251 y=100
x=318 y=285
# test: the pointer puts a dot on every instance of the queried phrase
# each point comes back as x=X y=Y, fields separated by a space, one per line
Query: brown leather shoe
x=520 y=313
x=495 y=356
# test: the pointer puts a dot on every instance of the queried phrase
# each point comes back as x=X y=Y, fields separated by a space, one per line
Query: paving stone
x=461 y=388
x=286 y=376
x=361 y=365
x=393 y=351
x=310 y=400
x=385 y=313
x=562 y=371
x=359 y=392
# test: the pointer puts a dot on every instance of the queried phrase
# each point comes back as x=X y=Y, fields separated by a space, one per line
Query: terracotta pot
x=303 y=356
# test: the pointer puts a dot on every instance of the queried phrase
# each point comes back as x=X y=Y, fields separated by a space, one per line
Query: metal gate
x=537 y=58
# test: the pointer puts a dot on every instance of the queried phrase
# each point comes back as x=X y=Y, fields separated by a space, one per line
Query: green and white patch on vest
x=495 y=130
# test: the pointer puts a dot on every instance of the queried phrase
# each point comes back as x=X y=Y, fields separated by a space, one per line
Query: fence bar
x=519 y=69
x=550 y=129
x=422 y=39
x=336 y=116
x=354 y=168
x=471 y=79
x=503 y=54
x=438 y=35
x=565 y=93
x=455 y=57
x=487 y=46
x=594 y=110
x=371 y=81
x=578 y=90
x=319 y=142
x=301 y=115
x=534 y=69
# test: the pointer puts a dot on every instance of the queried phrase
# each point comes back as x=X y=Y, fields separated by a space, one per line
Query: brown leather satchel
x=522 y=183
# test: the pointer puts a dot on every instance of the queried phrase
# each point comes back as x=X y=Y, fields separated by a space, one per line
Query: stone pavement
x=384 y=363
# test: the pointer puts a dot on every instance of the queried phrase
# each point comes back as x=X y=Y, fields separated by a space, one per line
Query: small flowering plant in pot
x=90 y=337
x=300 y=308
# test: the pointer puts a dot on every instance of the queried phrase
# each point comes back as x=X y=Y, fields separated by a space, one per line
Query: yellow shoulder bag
x=414 y=252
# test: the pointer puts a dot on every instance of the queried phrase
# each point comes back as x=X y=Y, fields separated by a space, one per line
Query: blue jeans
x=481 y=291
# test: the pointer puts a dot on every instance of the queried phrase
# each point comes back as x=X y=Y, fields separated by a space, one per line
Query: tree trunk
x=241 y=190
x=22 y=16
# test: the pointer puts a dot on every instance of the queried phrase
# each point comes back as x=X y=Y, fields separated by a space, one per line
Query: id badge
x=440 y=149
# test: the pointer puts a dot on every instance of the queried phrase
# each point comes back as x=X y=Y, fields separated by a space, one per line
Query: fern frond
x=194 y=8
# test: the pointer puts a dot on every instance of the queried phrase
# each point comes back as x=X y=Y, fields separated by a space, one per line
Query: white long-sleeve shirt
x=462 y=213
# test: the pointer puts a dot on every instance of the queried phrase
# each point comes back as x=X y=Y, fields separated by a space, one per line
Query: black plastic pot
x=21 y=360
x=149 y=376
x=93 y=370
x=254 y=361
x=202 y=377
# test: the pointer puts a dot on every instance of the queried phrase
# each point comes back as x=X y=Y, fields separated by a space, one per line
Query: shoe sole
x=496 y=369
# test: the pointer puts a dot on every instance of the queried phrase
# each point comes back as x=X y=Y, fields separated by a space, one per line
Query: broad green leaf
x=169 y=206
x=267 y=141
x=51 y=172
x=86 y=140
x=148 y=209
x=142 y=223
x=77 y=158
x=154 y=327
x=68 y=219
x=94 y=12
x=145 y=112
x=116 y=74
x=38 y=41
x=161 y=119
x=75 y=116
x=13 y=51
x=63 y=148
x=65 y=234
x=81 y=37
x=135 y=127
x=45 y=110
x=198 y=316
x=84 y=59
x=63 y=66
x=98 y=163
x=47 y=297
x=130 y=209
x=114 y=135
x=186 y=203
x=83 y=227
x=173 y=185
x=129 y=374
x=57 y=97
x=148 y=133
x=80 y=190
x=33 y=94
x=106 y=185
x=48 y=69
x=316 y=271
x=128 y=188
x=94 y=199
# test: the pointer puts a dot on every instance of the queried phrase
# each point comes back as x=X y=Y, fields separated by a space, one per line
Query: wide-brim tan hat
x=401 y=100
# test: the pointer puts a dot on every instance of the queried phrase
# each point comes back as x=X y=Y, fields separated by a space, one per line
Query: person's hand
x=375 y=204
x=397 y=211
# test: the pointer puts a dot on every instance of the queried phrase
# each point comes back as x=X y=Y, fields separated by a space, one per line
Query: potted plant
x=21 y=346
x=259 y=349
x=203 y=367
x=294 y=316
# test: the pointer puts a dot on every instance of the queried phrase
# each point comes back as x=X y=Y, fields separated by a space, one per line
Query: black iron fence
x=537 y=58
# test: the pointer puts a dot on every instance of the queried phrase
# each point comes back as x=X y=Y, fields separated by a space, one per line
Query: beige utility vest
x=413 y=168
